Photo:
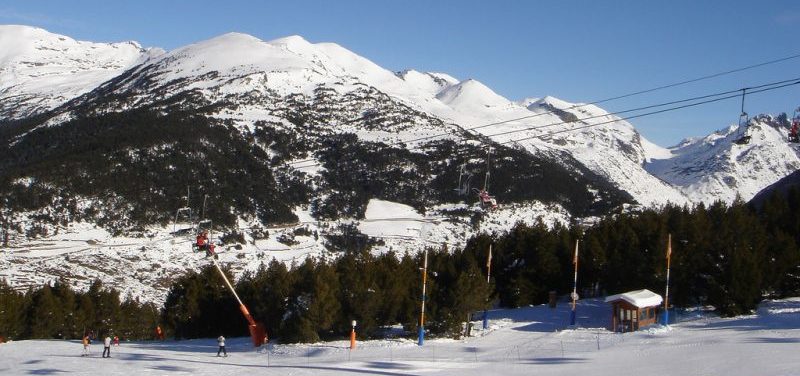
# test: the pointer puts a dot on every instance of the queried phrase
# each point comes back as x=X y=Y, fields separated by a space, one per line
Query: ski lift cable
x=773 y=85
x=662 y=87
x=589 y=117
x=726 y=94
x=649 y=113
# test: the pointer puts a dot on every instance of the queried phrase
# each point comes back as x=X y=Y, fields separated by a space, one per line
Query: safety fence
x=543 y=348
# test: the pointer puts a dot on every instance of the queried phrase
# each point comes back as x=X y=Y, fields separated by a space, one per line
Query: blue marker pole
x=421 y=332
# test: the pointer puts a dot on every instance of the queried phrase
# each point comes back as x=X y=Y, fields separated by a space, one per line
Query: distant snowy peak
x=241 y=63
x=525 y=102
x=40 y=70
x=717 y=167
x=608 y=146
x=471 y=94
x=551 y=102
x=430 y=83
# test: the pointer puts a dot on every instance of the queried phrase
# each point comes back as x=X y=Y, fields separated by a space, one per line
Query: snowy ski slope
x=526 y=341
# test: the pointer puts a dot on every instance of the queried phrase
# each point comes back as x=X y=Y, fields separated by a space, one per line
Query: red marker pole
x=353 y=336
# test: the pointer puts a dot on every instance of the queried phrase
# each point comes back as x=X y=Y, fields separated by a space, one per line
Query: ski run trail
x=524 y=341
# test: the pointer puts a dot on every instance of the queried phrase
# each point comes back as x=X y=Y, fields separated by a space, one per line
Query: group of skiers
x=107 y=342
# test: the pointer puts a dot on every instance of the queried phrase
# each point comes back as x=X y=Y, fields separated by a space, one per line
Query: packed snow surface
x=525 y=341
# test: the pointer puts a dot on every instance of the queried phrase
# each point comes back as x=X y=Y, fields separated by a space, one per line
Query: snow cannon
x=258 y=333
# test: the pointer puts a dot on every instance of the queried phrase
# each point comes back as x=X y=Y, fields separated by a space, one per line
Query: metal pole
x=421 y=333
x=488 y=166
x=666 y=294
x=203 y=211
x=488 y=274
x=574 y=286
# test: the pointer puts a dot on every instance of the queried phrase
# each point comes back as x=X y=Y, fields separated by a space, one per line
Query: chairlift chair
x=202 y=226
x=486 y=200
x=182 y=215
x=744 y=123
x=795 y=129
x=464 y=181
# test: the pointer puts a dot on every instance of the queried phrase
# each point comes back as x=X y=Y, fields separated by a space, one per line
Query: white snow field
x=526 y=341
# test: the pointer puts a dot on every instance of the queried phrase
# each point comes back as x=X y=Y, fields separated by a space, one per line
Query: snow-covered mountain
x=296 y=144
x=40 y=70
x=240 y=68
x=716 y=167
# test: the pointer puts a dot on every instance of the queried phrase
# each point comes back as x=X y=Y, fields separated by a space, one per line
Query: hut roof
x=639 y=298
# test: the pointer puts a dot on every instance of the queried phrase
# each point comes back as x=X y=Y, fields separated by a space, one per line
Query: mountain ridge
x=292 y=141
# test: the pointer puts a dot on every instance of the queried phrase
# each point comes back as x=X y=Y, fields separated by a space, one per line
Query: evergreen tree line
x=729 y=257
x=318 y=298
x=59 y=312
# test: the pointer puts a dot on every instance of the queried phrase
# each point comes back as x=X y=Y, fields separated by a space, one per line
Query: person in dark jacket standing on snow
x=221 y=343
x=107 y=347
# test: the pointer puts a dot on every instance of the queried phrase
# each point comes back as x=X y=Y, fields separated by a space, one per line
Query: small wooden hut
x=633 y=310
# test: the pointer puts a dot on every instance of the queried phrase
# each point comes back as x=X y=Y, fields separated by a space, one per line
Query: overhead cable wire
x=706 y=77
x=726 y=95
x=796 y=82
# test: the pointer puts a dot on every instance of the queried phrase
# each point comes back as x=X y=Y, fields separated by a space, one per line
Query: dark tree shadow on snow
x=45 y=371
x=554 y=361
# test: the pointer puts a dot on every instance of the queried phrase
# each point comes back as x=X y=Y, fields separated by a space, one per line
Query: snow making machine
x=258 y=332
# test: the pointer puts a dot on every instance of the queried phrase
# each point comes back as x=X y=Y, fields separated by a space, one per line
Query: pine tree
x=13 y=306
x=361 y=296
x=44 y=315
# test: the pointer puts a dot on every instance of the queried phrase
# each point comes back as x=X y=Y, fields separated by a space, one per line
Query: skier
x=210 y=250
x=159 y=333
x=221 y=343
x=86 y=343
x=107 y=347
x=116 y=340
x=202 y=241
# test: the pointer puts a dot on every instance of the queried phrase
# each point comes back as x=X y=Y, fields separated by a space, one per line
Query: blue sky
x=576 y=50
